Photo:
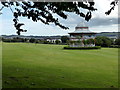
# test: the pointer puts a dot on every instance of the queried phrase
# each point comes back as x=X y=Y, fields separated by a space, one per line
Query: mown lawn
x=28 y=65
x=0 y=65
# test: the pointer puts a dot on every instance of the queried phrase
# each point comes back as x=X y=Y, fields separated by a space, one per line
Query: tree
x=44 y=11
x=117 y=41
x=98 y=41
x=79 y=41
x=57 y=41
x=32 y=40
x=106 y=41
x=71 y=42
x=90 y=41
x=103 y=41
x=64 y=39
x=85 y=42
x=113 y=4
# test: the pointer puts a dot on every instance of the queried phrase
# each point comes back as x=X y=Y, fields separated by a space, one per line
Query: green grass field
x=0 y=65
x=28 y=65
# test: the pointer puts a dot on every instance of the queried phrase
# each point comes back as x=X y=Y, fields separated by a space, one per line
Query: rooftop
x=82 y=28
x=81 y=24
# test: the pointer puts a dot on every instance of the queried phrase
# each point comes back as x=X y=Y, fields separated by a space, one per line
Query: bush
x=57 y=42
x=117 y=41
x=114 y=46
x=32 y=40
x=81 y=48
x=46 y=42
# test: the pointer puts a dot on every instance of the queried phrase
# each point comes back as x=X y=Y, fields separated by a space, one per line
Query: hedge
x=114 y=46
x=82 y=48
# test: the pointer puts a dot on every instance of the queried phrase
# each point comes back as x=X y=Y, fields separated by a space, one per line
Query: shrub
x=32 y=40
x=46 y=42
x=117 y=41
x=114 y=46
x=57 y=42
x=81 y=48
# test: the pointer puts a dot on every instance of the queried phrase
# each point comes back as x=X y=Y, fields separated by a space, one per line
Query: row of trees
x=98 y=41
x=17 y=39
x=31 y=40
x=63 y=40
x=104 y=41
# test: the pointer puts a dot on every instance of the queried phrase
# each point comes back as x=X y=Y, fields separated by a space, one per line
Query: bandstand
x=82 y=36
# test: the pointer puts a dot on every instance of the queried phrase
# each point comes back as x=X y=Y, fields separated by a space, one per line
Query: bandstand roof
x=81 y=24
x=82 y=28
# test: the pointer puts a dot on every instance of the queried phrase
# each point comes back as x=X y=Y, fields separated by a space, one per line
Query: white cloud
x=98 y=23
x=109 y=28
x=34 y=28
x=103 y=6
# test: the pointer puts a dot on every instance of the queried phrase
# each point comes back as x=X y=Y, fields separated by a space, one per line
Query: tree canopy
x=103 y=41
x=44 y=11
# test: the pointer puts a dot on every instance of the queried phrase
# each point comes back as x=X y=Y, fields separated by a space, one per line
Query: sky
x=99 y=22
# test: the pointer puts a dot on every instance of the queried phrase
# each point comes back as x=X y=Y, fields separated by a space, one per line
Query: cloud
x=99 y=22
x=102 y=7
x=38 y=28
x=34 y=28
x=103 y=21
x=73 y=20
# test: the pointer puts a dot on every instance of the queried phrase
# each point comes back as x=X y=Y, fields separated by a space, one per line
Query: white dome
x=82 y=24
x=82 y=28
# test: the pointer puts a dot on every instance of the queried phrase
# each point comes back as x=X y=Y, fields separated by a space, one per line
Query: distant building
x=81 y=34
x=53 y=40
